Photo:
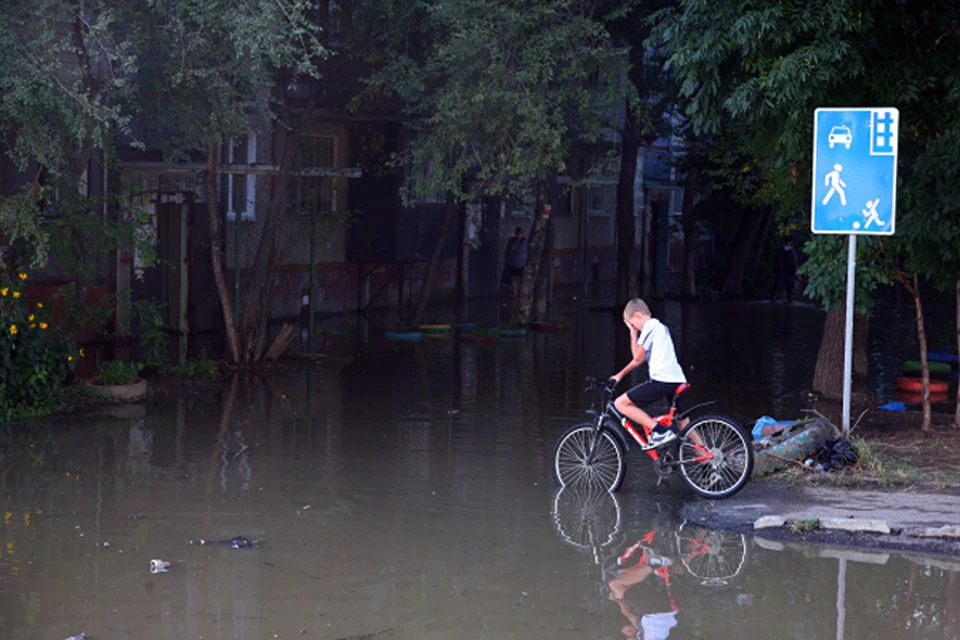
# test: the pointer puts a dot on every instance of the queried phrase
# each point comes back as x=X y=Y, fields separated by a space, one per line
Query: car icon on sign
x=840 y=135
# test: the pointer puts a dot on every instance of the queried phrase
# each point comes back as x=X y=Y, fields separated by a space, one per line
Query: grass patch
x=806 y=525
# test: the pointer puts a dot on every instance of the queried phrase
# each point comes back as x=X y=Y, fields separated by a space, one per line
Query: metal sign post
x=854 y=192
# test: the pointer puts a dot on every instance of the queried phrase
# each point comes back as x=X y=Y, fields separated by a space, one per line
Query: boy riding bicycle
x=650 y=342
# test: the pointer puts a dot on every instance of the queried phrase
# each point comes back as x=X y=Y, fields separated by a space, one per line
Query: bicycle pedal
x=661 y=481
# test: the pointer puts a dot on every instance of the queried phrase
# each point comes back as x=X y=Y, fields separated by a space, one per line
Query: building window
x=601 y=199
x=315 y=193
x=239 y=190
x=522 y=205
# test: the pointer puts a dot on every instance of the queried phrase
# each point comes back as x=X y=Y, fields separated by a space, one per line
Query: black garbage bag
x=837 y=454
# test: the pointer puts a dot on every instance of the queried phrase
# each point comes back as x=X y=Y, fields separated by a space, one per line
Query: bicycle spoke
x=582 y=459
x=714 y=457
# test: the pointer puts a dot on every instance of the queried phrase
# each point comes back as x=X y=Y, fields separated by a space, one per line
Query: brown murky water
x=408 y=495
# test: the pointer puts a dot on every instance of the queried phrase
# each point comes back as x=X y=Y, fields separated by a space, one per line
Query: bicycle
x=713 y=454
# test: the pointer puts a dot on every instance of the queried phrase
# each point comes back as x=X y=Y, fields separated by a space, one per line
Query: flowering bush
x=34 y=363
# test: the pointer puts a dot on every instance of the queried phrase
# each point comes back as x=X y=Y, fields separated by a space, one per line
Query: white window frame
x=248 y=212
x=609 y=198
x=334 y=186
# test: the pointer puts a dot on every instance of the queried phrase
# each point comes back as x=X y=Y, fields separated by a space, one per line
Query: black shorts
x=513 y=272
x=650 y=391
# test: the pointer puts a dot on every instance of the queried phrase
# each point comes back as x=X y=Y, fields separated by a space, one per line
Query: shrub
x=34 y=363
x=114 y=372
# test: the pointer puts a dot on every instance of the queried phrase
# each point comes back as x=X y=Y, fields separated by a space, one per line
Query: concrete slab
x=855 y=525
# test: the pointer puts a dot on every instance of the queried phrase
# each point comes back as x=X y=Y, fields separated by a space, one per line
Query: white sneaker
x=660 y=438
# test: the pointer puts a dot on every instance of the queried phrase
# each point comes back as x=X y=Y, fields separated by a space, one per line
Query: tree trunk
x=434 y=262
x=828 y=374
x=956 y=418
x=258 y=293
x=690 y=234
x=627 y=287
x=914 y=290
x=541 y=288
x=740 y=252
x=216 y=252
x=534 y=253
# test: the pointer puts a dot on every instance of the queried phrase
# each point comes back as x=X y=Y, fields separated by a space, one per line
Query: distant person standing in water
x=785 y=270
x=515 y=259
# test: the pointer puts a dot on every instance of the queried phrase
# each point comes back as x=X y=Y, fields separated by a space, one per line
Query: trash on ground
x=81 y=636
x=237 y=542
x=159 y=566
x=767 y=426
x=834 y=454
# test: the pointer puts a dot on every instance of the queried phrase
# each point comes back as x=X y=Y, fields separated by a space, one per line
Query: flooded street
x=407 y=494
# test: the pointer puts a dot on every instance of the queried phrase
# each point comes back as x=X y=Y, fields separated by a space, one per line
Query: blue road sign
x=855 y=170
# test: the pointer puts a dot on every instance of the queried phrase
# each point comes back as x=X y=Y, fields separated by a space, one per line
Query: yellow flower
x=13 y=329
x=82 y=354
x=3 y=292
x=43 y=325
x=69 y=358
x=16 y=294
x=39 y=305
x=33 y=326
x=23 y=276
x=30 y=317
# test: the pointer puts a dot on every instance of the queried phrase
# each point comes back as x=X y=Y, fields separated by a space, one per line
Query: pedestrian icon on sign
x=836 y=185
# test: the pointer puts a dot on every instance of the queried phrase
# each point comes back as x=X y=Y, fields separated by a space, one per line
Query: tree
x=218 y=75
x=496 y=92
x=65 y=91
x=770 y=64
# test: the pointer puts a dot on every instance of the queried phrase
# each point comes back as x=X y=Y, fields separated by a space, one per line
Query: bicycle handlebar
x=607 y=386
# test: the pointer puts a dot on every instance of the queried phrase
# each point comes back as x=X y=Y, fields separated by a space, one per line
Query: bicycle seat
x=681 y=388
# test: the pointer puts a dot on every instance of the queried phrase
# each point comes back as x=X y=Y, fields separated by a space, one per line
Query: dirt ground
x=895 y=452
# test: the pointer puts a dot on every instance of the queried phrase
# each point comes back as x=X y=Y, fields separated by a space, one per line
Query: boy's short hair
x=636 y=305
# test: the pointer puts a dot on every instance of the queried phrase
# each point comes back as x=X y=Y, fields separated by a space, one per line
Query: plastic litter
x=159 y=566
x=766 y=426
x=836 y=454
x=893 y=406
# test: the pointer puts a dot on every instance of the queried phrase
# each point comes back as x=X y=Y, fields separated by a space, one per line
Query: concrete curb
x=854 y=525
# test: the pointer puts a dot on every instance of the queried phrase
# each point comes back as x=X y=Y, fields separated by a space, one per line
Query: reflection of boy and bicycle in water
x=692 y=554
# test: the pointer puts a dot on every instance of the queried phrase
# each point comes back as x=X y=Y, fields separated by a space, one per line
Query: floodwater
x=407 y=494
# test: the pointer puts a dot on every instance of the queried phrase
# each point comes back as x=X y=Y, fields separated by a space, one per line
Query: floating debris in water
x=159 y=566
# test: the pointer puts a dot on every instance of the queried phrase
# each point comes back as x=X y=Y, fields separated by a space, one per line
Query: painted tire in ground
x=914 y=367
x=464 y=325
x=911 y=397
x=118 y=392
x=404 y=336
x=434 y=328
x=916 y=385
x=512 y=332
x=546 y=326
x=943 y=355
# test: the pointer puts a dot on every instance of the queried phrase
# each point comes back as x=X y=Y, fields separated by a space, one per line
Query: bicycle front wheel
x=579 y=461
x=715 y=456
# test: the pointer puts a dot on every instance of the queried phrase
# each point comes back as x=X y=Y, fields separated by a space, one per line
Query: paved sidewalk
x=903 y=519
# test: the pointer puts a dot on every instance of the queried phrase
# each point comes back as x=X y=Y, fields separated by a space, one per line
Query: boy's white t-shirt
x=661 y=355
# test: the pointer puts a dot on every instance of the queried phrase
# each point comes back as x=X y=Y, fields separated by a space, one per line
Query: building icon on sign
x=883 y=132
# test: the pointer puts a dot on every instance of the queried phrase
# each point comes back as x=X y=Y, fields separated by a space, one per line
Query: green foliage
x=153 y=332
x=199 y=369
x=117 y=372
x=767 y=66
x=826 y=270
x=34 y=363
x=497 y=91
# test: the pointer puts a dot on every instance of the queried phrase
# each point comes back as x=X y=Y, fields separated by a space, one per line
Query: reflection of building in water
x=139 y=447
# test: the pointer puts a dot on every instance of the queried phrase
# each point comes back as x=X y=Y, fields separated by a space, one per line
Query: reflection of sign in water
x=855 y=170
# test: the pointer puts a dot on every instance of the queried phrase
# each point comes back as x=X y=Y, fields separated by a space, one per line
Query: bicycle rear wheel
x=574 y=466
x=715 y=456
x=714 y=557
